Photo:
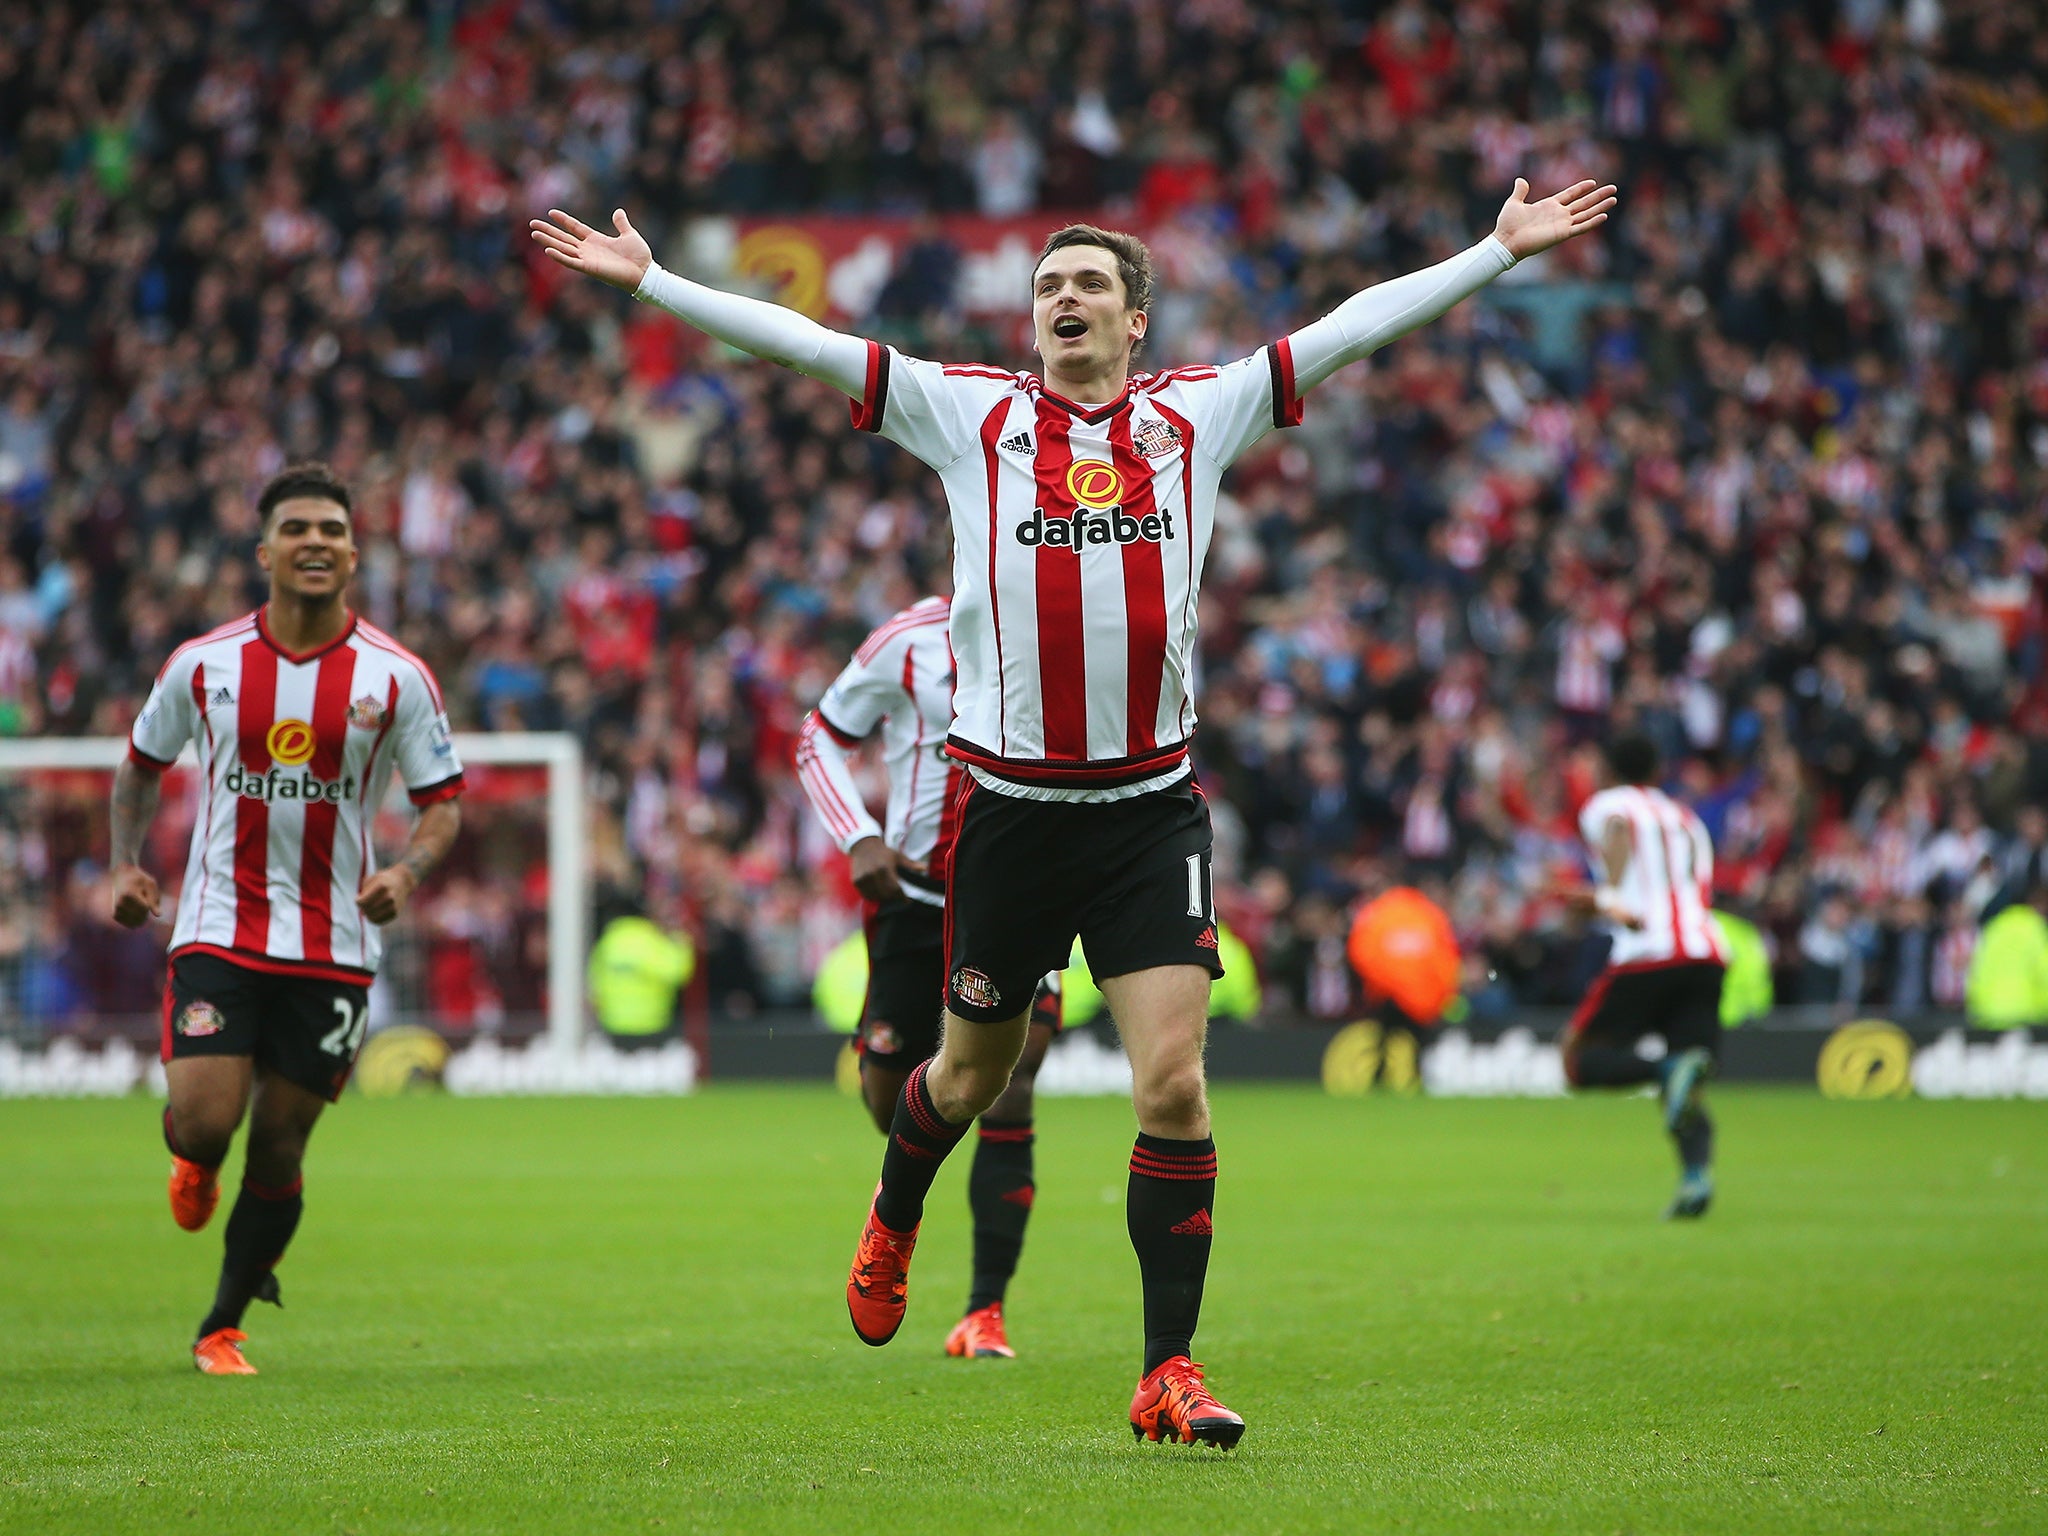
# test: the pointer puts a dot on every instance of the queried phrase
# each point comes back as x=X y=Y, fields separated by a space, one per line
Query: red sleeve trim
x=1286 y=404
x=447 y=789
x=844 y=738
x=867 y=410
x=145 y=762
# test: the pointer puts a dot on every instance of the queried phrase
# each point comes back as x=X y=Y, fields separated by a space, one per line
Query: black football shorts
x=1130 y=878
x=899 y=1024
x=306 y=1029
x=1680 y=1002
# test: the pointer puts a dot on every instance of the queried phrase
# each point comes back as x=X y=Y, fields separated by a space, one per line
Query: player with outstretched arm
x=1082 y=503
x=900 y=685
x=300 y=712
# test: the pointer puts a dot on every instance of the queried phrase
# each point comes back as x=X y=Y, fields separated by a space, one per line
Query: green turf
x=596 y=1316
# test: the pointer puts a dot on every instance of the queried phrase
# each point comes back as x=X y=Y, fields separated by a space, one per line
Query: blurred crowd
x=1760 y=470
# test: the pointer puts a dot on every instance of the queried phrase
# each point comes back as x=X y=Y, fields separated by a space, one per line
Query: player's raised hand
x=621 y=259
x=1526 y=228
x=136 y=897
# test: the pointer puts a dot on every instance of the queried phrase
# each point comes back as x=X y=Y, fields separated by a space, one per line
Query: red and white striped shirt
x=294 y=753
x=1669 y=880
x=1079 y=536
x=902 y=680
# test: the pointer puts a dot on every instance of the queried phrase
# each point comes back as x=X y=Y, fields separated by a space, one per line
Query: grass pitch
x=585 y=1316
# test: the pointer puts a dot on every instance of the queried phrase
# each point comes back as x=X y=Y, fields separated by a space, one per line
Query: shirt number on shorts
x=1195 y=905
x=343 y=1039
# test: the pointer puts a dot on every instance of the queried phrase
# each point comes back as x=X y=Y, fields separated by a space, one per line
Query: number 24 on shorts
x=343 y=1039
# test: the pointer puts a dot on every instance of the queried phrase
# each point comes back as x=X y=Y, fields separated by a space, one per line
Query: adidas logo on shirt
x=1021 y=443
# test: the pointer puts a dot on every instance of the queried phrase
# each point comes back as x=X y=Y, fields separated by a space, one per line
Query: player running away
x=300 y=712
x=901 y=681
x=1663 y=976
x=1082 y=506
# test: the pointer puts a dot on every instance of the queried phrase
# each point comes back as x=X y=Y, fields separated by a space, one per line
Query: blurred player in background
x=1082 y=503
x=1663 y=976
x=1406 y=955
x=300 y=712
x=901 y=682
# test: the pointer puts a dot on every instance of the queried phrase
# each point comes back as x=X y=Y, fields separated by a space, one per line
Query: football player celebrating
x=1082 y=502
x=300 y=713
x=900 y=681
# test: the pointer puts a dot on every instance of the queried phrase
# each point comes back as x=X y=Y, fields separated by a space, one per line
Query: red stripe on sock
x=1181 y=1172
x=927 y=1118
x=275 y=1191
x=1007 y=1133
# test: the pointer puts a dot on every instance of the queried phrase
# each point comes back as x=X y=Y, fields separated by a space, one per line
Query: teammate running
x=901 y=679
x=1663 y=975
x=1082 y=507
x=300 y=712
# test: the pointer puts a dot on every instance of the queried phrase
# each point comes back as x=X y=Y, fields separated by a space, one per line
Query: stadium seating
x=1763 y=472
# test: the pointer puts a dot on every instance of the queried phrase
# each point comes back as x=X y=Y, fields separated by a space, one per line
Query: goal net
x=492 y=948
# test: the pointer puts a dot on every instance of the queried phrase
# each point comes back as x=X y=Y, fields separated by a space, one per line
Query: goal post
x=568 y=872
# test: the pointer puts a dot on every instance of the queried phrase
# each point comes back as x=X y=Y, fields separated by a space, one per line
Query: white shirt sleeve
x=767 y=330
x=827 y=779
x=424 y=746
x=1367 y=321
x=168 y=718
x=1234 y=406
x=935 y=410
x=858 y=700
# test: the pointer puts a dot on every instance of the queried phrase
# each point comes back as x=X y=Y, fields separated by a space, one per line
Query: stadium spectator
x=1765 y=475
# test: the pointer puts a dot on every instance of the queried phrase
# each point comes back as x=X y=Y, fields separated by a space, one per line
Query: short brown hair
x=311 y=478
x=1133 y=260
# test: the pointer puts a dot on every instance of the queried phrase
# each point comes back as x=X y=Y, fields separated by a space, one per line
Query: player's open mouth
x=316 y=565
x=1067 y=327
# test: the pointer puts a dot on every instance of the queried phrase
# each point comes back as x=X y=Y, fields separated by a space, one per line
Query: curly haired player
x=300 y=712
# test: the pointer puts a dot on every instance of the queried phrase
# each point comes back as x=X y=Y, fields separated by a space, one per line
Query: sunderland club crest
x=975 y=989
x=199 y=1018
x=1153 y=438
x=367 y=712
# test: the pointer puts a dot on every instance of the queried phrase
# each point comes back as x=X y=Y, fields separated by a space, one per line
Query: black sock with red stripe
x=258 y=1233
x=919 y=1139
x=999 y=1192
x=1172 y=1192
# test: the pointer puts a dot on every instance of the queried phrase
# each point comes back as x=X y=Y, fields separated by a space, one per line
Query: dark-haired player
x=900 y=683
x=300 y=713
x=1082 y=506
x=1663 y=977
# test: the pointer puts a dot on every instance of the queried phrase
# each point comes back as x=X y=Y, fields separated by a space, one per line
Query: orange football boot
x=195 y=1191
x=878 y=1284
x=979 y=1336
x=1172 y=1404
x=220 y=1354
